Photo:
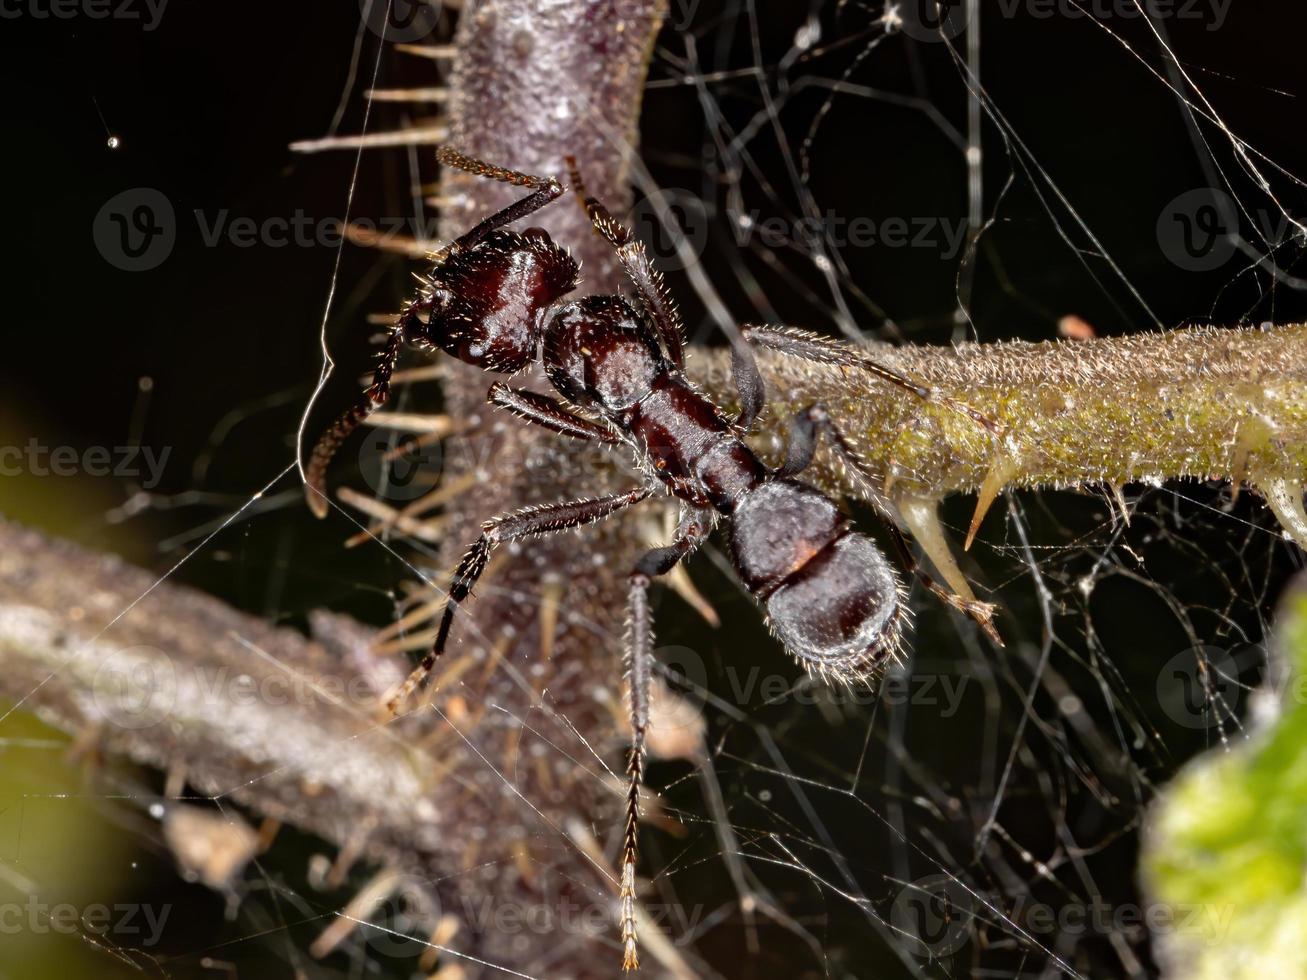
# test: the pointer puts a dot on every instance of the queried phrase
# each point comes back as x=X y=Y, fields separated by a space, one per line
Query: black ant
x=492 y=299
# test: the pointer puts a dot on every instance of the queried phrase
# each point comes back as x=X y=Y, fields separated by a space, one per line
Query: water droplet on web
x=808 y=35
x=114 y=142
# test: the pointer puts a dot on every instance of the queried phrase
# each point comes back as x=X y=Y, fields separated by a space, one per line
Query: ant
x=493 y=299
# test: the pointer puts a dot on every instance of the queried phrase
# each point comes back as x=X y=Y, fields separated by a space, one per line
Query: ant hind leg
x=543 y=519
x=695 y=526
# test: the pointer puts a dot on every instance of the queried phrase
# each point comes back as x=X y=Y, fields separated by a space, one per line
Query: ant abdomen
x=840 y=615
x=831 y=596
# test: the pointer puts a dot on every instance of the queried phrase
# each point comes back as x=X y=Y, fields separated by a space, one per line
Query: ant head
x=598 y=351
x=489 y=303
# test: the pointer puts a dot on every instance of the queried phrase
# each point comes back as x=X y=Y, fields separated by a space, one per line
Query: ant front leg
x=541 y=519
x=544 y=191
x=631 y=254
x=549 y=413
x=407 y=329
x=695 y=526
x=807 y=427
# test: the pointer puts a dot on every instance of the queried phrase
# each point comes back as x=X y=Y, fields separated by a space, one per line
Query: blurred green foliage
x=1227 y=851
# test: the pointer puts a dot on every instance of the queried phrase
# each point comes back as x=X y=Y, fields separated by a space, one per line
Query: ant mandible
x=492 y=299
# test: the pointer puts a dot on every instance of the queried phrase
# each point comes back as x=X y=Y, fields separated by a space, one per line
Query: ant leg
x=748 y=383
x=823 y=350
x=543 y=410
x=545 y=190
x=449 y=157
x=805 y=430
x=407 y=327
x=542 y=519
x=695 y=526
x=648 y=281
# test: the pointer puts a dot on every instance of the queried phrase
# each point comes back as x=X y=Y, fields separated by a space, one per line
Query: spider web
x=979 y=814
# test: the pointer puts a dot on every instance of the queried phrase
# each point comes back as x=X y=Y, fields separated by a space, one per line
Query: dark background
x=205 y=106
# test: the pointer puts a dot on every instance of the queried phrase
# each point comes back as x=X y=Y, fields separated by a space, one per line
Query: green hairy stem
x=1200 y=402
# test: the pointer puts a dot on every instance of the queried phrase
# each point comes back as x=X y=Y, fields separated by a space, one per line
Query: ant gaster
x=493 y=299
